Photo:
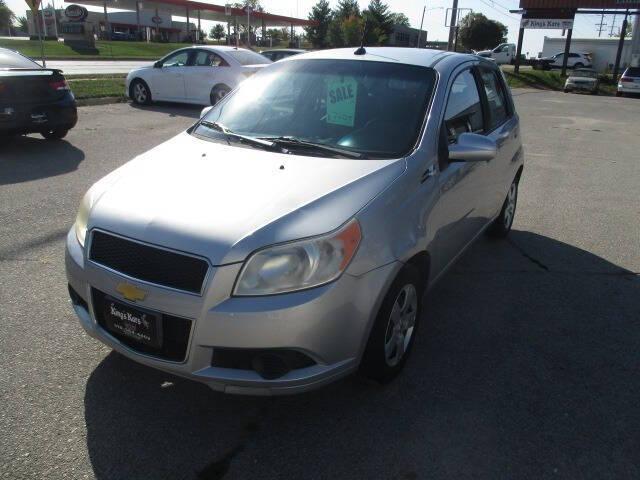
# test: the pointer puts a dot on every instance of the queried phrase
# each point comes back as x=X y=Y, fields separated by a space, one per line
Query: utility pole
x=424 y=9
x=601 y=25
x=613 y=24
x=623 y=33
x=453 y=26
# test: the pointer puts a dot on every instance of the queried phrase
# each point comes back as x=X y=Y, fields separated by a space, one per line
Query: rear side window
x=496 y=99
x=207 y=59
x=464 y=110
x=632 y=72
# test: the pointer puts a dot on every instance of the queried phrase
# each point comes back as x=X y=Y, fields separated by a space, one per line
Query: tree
x=346 y=9
x=6 y=16
x=22 y=23
x=400 y=19
x=477 y=32
x=218 y=32
x=379 y=23
x=352 y=29
x=318 y=35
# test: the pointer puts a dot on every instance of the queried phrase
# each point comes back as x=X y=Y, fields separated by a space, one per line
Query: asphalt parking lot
x=526 y=365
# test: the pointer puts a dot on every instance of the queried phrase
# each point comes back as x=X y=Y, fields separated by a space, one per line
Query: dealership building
x=153 y=20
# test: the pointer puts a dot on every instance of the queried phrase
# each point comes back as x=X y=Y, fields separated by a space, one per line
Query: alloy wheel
x=140 y=93
x=401 y=324
x=510 y=207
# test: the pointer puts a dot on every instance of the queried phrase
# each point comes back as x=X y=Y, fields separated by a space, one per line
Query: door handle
x=428 y=173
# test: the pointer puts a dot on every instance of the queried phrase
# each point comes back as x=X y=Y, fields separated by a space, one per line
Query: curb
x=87 y=102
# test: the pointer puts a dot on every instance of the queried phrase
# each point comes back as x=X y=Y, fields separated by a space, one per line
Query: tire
x=55 y=134
x=578 y=65
x=566 y=90
x=139 y=92
x=218 y=93
x=390 y=342
x=619 y=94
x=501 y=226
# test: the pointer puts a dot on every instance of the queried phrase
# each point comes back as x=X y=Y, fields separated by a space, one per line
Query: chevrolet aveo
x=285 y=240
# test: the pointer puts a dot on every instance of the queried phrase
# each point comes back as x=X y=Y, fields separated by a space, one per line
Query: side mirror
x=472 y=147
x=157 y=64
x=205 y=110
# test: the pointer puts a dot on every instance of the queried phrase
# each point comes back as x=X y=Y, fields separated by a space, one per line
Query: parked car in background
x=582 y=80
x=629 y=82
x=285 y=240
x=34 y=99
x=503 y=54
x=279 y=54
x=574 y=60
x=200 y=74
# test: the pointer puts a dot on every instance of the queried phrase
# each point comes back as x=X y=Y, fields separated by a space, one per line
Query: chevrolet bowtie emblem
x=131 y=292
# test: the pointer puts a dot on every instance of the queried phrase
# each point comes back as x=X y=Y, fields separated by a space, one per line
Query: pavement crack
x=532 y=259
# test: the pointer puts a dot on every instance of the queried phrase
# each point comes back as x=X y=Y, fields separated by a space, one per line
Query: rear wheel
x=218 y=93
x=393 y=332
x=502 y=225
x=619 y=94
x=578 y=65
x=55 y=134
x=140 y=93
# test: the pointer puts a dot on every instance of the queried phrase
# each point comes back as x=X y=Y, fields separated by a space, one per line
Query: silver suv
x=286 y=239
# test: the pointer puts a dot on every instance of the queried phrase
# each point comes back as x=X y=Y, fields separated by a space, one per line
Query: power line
x=500 y=12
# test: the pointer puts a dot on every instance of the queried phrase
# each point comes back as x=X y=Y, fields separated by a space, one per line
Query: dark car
x=34 y=99
x=279 y=54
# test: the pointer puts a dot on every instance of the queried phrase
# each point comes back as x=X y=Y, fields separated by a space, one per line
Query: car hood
x=582 y=79
x=223 y=202
x=484 y=53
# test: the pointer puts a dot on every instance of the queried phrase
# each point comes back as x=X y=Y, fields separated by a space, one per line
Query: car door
x=557 y=60
x=502 y=126
x=202 y=74
x=168 y=79
x=462 y=207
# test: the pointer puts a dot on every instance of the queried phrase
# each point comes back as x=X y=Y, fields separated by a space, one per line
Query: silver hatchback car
x=286 y=239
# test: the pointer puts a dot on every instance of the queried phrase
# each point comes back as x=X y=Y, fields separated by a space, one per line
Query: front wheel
x=140 y=93
x=218 y=93
x=55 y=134
x=501 y=226
x=394 y=330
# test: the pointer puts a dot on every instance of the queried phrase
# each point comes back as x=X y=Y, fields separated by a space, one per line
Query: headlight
x=299 y=265
x=83 y=217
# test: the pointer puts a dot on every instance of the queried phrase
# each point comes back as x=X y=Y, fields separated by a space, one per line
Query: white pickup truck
x=503 y=54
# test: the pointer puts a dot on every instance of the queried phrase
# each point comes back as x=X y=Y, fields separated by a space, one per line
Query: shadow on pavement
x=526 y=366
x=172 y=109
x=23 y=159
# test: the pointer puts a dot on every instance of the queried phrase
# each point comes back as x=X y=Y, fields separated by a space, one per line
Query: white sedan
x=199 y=74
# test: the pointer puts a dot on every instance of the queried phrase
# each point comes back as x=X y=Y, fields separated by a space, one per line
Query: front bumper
x=329 y=324
x=20 y=118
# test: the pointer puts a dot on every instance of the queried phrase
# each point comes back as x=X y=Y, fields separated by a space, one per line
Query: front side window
x=376 y=109
x=178 y=59
x=464 y=109
x=247 y=57
x=498 y=113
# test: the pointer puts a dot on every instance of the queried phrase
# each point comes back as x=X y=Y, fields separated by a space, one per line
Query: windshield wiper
x=292 y=141
x=246 y=138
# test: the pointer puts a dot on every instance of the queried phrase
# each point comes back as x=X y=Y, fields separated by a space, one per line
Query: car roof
x=411 y=56
x=219 y=48
x=284 y=50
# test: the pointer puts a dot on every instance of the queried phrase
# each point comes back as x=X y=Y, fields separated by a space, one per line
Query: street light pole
x=424 y=9
x=454 y=24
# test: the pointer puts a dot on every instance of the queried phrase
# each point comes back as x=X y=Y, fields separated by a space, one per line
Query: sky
x=584 y=27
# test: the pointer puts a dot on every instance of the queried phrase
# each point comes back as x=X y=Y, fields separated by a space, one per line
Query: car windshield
x=247 y=57
x=632 y=72
x=585 y=73
x=9 y=59
x=373 y=108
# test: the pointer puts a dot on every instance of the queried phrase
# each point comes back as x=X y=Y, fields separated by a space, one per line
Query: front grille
x=175 y=333
x=148 y=263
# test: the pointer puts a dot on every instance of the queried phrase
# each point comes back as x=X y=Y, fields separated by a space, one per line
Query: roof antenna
x=361 y=50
